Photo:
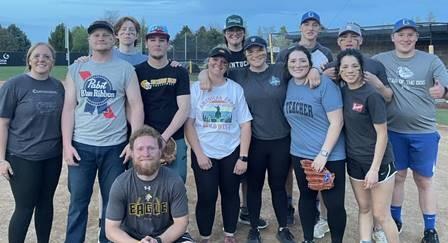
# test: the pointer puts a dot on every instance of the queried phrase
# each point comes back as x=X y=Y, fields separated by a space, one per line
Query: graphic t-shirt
x=306 y=111
x=363 y=107
x=237 y=59
x=100 y=117
x=34 y=108
x=412 y=109
x=147 y=207
x=218 y=114
x=159 y=89
x=265 y=94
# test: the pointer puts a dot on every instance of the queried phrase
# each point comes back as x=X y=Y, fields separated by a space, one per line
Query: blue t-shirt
x=306 y=111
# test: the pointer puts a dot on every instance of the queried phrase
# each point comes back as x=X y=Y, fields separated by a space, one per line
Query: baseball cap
x=254 y=41
x=158 y=30
x=350 y=27
x=220 y=52
x=310 y=15
x=404 y=23
x=100 y=24
x=234 y=21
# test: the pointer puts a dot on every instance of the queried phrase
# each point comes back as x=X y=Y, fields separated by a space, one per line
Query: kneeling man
x=147 y=203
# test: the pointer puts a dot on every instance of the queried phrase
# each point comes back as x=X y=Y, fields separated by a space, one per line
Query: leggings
x=221 y=177
x=33 y=185
x=333 y=199
x=271 y=156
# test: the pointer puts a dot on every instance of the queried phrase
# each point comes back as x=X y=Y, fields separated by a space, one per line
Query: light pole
x=185 y=46
x=196 y=47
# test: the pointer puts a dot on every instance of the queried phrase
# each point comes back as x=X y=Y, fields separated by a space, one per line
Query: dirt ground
x=412 y=229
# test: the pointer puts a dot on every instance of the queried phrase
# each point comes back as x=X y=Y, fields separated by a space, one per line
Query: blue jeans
x=180 y=164
x=81 y=178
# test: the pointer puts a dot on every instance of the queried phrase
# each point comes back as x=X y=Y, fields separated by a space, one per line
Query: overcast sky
x=39 y=17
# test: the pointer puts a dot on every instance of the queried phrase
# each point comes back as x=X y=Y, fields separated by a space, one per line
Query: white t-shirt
x=218 y=114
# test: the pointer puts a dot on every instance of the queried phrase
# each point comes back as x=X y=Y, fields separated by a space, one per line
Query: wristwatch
x=158 y=239
x=324 y=153
x=243 y=158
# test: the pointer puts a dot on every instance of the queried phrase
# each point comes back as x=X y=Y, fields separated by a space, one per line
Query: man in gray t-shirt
x=411 y=119
x=147 y=203
x=94 y=125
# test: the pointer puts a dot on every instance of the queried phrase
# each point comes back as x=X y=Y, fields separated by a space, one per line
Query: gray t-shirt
x=306 y=111
x=133 y=59
x=147 y=207
x=265 y=94
x=100 y=117
x=34 y=108
x=412 y=109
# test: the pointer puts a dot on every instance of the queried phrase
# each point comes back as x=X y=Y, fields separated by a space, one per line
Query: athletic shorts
x=415 y=151
x=358 y=171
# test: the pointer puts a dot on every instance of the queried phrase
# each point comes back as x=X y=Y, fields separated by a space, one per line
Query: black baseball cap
x=220 y=52
x=254 y=41
x=234 y=21
x=100 y=24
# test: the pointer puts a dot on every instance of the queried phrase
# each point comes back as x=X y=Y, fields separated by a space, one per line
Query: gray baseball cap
x=350 y=27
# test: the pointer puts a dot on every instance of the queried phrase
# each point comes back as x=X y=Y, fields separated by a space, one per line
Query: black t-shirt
x=370 y=65
x=363 y=107
x=159 y=89
x=265 y=95
x=237 y=59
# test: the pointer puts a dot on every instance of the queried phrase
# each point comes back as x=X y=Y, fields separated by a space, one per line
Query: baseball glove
x=317 y=181
x=169 y=152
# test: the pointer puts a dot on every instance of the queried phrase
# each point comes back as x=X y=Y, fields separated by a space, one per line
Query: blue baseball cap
x=404 y=23
x=254 y=41
x=310 y=15
x=158 y=30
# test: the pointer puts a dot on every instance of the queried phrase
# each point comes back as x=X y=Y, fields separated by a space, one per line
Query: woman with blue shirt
x=316 y=120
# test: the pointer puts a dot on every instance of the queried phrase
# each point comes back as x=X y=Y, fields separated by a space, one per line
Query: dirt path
x=412 y=231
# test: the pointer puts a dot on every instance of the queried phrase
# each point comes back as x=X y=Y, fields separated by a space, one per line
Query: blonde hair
x=32 y=48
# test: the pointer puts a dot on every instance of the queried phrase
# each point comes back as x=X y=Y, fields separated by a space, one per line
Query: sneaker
x=379 y=236
x=290 y=216
x=244 y=219
x=229 y=239
x=253 y=236
x=430 y=236
x=320 y=228
x=399 y=225
x=285 y=236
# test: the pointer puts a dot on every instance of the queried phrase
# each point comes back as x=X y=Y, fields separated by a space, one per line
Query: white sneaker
x=379 y=236
x=320 y=228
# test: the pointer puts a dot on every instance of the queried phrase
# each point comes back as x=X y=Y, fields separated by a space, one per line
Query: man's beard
x=159 y=57
x=148 y=169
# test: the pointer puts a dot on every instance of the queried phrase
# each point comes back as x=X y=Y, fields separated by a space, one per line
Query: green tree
x=280 y=40
x=79 y=39
x=57 y=38
x=21 y=42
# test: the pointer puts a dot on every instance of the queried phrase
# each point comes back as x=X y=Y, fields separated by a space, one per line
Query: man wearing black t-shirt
x=166 y=94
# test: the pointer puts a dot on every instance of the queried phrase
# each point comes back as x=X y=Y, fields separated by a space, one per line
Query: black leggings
x=273 y=156
x=333 y=199
x=207 y=183
x=33 y=185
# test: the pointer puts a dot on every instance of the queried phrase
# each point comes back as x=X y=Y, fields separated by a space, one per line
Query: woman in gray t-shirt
x=31 y=142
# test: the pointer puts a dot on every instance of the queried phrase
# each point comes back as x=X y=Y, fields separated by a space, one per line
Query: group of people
x=372 y=117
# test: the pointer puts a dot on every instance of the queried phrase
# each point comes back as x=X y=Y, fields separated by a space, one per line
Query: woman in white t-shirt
x=219 y=131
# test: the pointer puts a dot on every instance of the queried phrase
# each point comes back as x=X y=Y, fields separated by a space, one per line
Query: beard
x=146 y=168
x=159 y=57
